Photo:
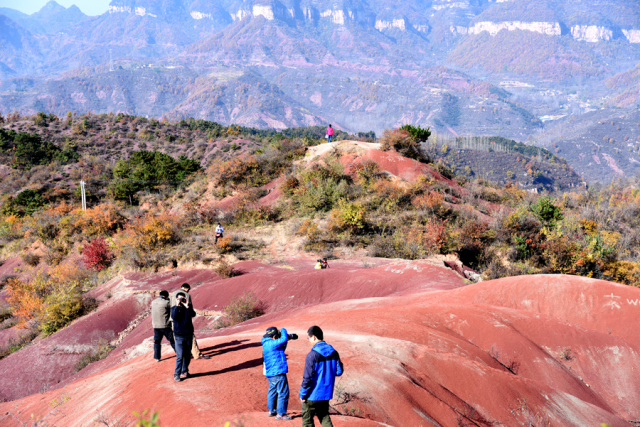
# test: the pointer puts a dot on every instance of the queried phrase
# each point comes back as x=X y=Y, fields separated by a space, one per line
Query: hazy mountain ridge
x=363 y=65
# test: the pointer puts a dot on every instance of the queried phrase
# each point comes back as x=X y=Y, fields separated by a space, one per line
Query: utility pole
x=84 y=196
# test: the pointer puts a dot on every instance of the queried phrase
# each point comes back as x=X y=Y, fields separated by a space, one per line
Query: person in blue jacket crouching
x=321 y=368
x=274 y=343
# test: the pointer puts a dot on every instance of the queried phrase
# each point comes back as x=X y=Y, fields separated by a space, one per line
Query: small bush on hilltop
x=417 y=133
x=406 y=141
x=97 y=255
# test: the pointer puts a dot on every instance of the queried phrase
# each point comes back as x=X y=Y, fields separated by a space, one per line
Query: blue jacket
x=275 y=361
x=182 y=324
x=320 y=369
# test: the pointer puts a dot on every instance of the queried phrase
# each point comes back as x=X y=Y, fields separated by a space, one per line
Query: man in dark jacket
x=321 y=367
x=183 y=333
x=160 y=312
x=195 y=350
x=274 y=343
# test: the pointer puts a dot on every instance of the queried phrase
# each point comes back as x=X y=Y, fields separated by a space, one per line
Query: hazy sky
x=89 y=7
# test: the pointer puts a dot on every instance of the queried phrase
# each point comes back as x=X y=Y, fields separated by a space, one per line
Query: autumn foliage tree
x=96 y=255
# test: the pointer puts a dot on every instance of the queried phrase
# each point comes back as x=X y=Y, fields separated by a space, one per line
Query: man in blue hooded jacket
x=274 y=343
x=321 y=368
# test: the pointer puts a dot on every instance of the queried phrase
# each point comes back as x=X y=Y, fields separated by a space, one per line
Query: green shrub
x=25 y=203
x=149 y=169
x=348 y=216
x=417 y=133
x=63 y=305
x=30 y=150
x=547 y=212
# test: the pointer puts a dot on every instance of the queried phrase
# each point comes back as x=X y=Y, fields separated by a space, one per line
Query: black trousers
x=157 y=340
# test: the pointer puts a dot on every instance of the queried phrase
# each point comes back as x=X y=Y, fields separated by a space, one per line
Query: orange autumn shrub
x=152 y=232
x=26 y=299
x=434 y=236
x=431 y=201
x=104 y=218
x=243 y=169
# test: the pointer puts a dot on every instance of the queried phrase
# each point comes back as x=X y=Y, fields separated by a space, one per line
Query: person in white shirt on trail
x=219 y=233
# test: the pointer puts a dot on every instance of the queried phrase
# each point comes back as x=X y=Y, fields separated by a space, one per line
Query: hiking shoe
x=204 y=358
x=184 y=375
x=177 y=379
x=157 y=360
x=284 y=417
x=273 y=414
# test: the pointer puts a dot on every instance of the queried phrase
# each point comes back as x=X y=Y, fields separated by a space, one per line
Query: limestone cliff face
x=450 y=4
x=632 y=35
x=591 y=33
x=141 y=11
x=399 y=23
x=200 y=15
x=119 y=9
x=493 y=28
x=335 y=16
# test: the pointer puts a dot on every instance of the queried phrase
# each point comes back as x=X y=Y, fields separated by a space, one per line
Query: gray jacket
x=160 y=312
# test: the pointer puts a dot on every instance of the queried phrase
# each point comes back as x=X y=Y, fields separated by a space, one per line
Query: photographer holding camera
x=182 y=313
x=274 y=343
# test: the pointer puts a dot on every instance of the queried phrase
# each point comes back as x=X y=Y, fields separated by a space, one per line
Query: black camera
x=293 y=336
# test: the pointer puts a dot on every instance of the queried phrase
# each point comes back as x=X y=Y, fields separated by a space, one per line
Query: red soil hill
x=50 y=363
x=535 y=350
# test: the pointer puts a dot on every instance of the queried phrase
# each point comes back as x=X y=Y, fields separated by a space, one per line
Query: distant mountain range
x=462 y=67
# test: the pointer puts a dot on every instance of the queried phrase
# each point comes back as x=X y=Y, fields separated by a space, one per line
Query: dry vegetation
x=323 y=208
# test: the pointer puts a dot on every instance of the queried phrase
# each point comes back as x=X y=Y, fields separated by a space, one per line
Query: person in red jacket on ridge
x=329 y=133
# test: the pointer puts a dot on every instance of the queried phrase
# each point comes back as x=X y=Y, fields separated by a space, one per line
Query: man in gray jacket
x=160 y=313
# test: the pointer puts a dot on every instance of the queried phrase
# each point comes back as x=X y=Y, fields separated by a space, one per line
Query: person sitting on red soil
x=160 y=315
x=274 y=343
x=195 y=350
x=321 y=367
x=321 y=264
x=182 y=313
x=329 y=133
x=219 y=233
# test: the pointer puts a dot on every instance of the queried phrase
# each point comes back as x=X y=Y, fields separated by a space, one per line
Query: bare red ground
x=50 y=363
x=534 y=350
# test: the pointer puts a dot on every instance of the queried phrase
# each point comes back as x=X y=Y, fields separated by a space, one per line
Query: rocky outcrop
x=450 y=4
x=141 y=11
x=632 y=35
x=493 y=28
x=399 y=23
x=335 y=16
x=591 y=33
x=200 y=15
x=119 y=9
